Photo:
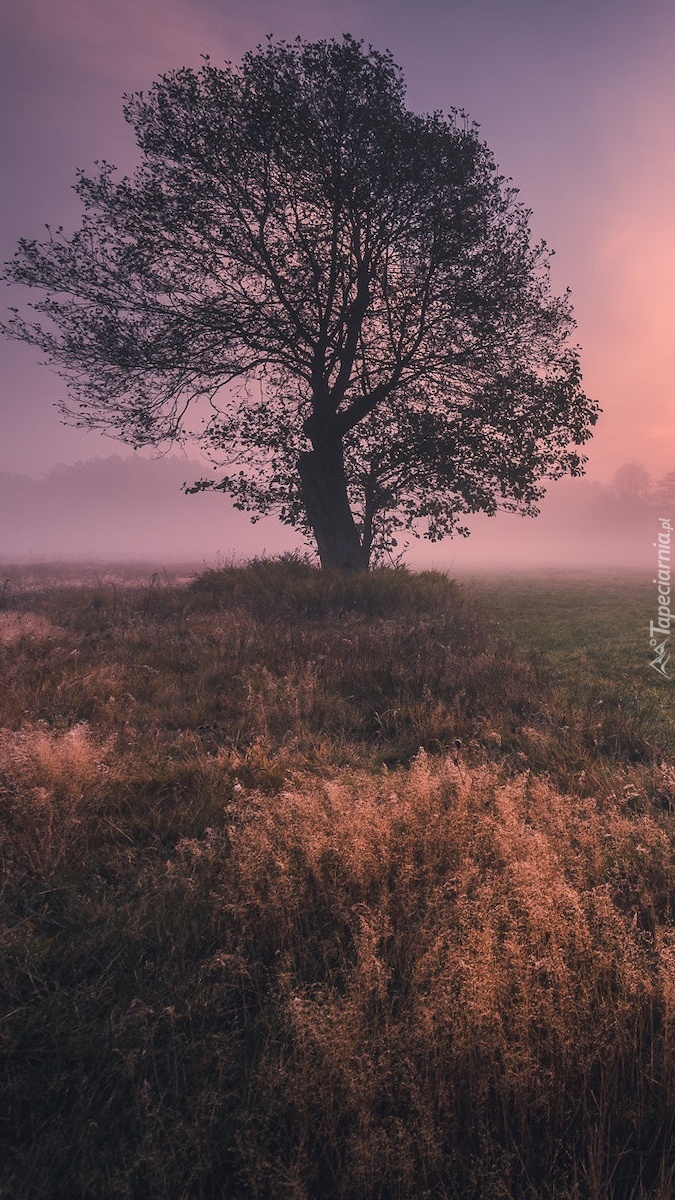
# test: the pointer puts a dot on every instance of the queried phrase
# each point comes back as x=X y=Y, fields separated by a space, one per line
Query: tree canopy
x=351 y=287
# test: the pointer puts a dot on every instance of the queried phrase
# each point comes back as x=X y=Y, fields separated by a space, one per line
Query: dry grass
x=16 y=625
x=257 y=943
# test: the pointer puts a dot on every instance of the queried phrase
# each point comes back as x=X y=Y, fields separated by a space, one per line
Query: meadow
x=320 y=887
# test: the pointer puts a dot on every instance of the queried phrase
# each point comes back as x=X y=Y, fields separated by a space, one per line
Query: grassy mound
x=291 y=585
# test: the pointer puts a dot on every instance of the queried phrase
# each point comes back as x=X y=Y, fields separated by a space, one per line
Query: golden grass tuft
x=48 y=781
x=455 y=979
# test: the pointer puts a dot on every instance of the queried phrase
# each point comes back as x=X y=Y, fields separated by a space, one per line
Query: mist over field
x=132 y=508
x=126 y=509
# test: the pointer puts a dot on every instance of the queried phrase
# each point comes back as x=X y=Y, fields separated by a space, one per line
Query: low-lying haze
x=132 y=508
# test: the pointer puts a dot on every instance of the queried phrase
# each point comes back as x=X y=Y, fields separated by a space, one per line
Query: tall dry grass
x=256 y=943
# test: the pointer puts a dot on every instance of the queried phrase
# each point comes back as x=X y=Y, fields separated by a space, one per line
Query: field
x=323 y=888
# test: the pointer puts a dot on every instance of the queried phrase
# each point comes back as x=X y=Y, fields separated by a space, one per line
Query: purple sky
x=576 y=100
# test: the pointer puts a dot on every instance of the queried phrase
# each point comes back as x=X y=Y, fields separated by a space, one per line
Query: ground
x=270 y=931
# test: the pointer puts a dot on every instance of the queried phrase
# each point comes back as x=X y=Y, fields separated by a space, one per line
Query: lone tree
x=352 y=287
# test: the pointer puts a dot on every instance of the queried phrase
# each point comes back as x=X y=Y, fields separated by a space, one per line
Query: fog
x=126 y=509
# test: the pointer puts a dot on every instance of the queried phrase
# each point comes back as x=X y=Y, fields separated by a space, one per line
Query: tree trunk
x=324 y=493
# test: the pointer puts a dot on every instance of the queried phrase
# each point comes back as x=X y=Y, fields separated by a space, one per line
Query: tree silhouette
x=351 y=286
x=664 y=493
x=632 y=484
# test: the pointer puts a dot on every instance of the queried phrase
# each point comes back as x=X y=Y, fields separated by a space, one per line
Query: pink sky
x=576 y=100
